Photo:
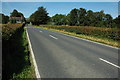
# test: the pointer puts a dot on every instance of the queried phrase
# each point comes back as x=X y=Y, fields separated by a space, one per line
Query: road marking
x=92 y=41
x=109 y=63
x=86 y=40
x=33 y=57
x=40 y=31
x=53 y=37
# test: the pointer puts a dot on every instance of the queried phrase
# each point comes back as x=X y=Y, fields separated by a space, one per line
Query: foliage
x=12 y=21
x=59 y=19
x=83 y=17
x=109 y=33
x=39 y=17
x=4 y=19
x=15 y=60
x=9 y=29
x=73 y=17
x=15 y=13
x=117 y=21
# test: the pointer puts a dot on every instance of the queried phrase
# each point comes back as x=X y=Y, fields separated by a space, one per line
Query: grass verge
x=92 y=38
x=28 y=70
x=17 y=63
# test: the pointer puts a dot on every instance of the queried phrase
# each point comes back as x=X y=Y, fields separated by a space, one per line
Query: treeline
x=76 y=17
x=4 y=19
x=83 y=17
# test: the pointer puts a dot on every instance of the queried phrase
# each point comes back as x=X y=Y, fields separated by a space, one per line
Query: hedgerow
x=8 y=30
x=109 y=33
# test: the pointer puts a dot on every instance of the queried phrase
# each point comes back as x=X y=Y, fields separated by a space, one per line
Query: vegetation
x=83 y=17
x=15 y=13
x=4 y=19
x=16 y=57
x=39 y=17
x=105 y=35
x=59 y=19
x=117 y=21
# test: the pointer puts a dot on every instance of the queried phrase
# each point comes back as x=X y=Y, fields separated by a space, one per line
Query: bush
x=12 y=49
x=9 y=29
x=109 y=33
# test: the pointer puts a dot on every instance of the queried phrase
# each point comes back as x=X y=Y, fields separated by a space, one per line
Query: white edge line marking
x=33 y=57
x=109 y=63
x=92 y=41
x=86 y=40
x=53 y=37
x=40 y=31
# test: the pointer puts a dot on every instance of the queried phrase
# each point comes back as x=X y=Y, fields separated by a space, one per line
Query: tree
x=82 y=16
x=40 y=16
x=73 y=17
x=15 y=13
x=90 y=19
x=59 y=19
x=117 y=21
x=68 y=19
x=108 y=20
x=99 y=19
x=4 y=19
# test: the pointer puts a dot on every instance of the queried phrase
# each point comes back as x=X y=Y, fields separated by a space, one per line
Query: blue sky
x=27 y=8
x=60 y=0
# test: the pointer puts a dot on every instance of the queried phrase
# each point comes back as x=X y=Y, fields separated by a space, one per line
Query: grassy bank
x=16 y=56
x=107 y=36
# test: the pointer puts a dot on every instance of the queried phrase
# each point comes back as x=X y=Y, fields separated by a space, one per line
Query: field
x=16 y=55
x=108 y=36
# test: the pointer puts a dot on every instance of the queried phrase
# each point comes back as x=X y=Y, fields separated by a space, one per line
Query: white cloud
x=60 y=0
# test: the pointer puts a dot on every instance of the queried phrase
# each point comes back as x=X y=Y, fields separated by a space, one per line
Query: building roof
x=16 y=18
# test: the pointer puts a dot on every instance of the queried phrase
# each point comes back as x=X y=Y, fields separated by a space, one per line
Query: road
x=61 y=56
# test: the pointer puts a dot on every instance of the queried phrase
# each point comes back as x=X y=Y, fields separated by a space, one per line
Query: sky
x=60 y=0
x=27 y=8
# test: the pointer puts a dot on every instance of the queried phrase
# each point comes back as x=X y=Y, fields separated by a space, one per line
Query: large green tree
x=15 y=13
x=4 y=19
x=89 y=19
x=117 y=21
x=73 y=17
x=108 y=20
x=82 y=16
x=40 y=16
x=99 y=19
x=59 y=19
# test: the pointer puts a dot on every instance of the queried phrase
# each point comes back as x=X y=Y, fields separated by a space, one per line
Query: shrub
x=110 y=33
x=9 y=29
x=11 y=49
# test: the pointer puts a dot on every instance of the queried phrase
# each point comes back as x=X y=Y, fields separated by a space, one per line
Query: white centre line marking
x=109 y=63
x=40 y=31
x=53 y=37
